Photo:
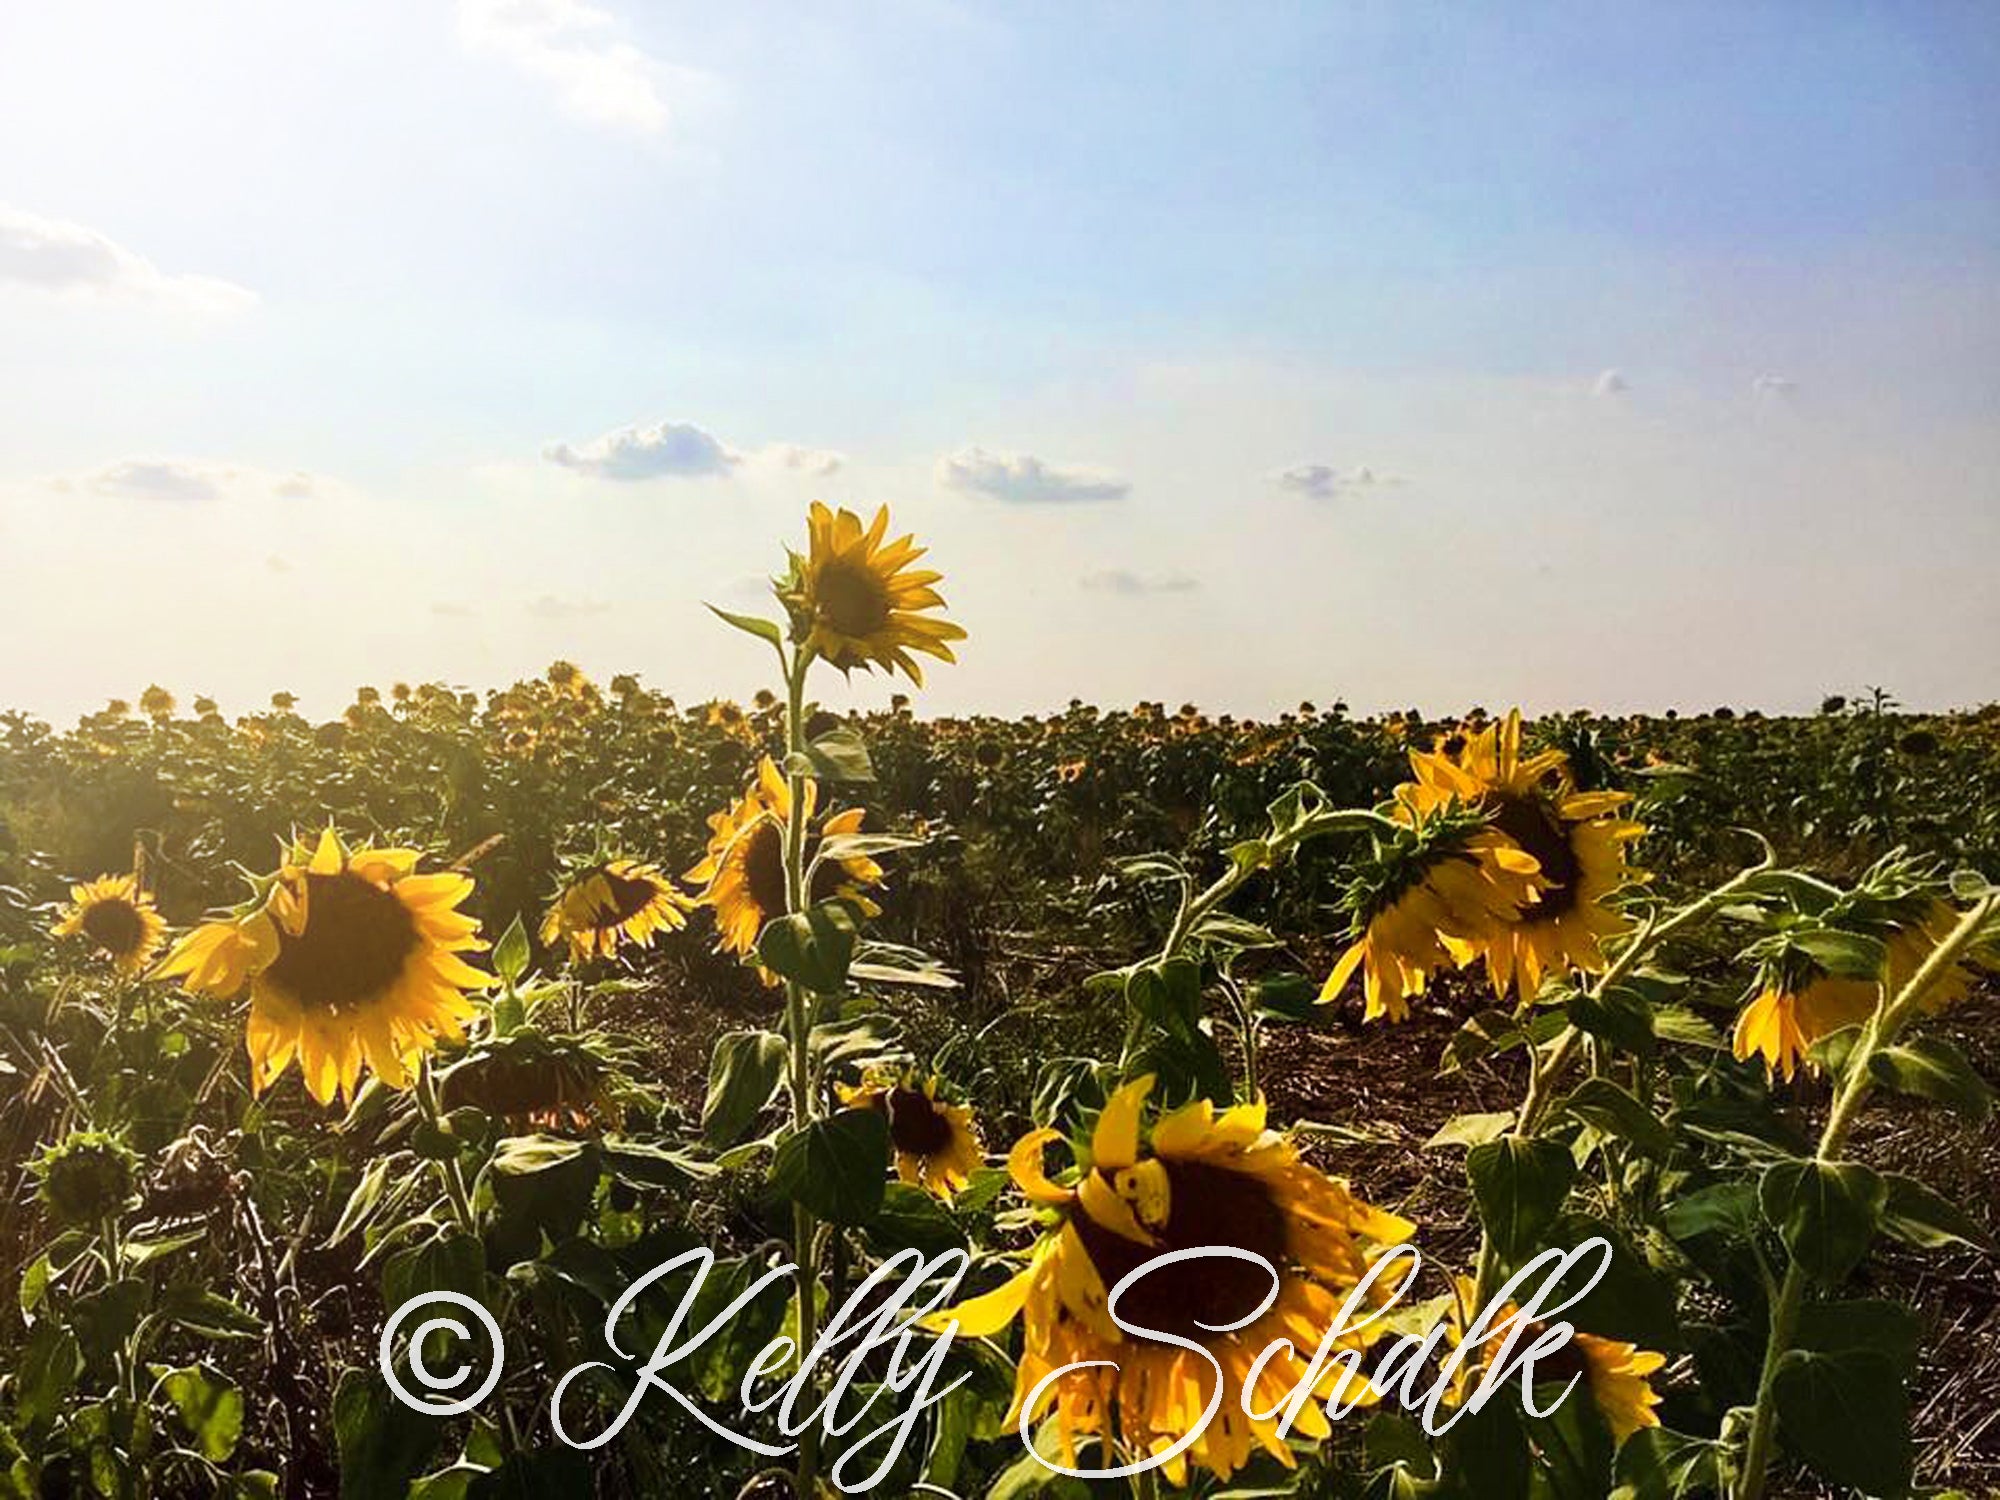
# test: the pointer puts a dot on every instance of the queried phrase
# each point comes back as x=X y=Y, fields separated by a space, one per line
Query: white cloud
x=190 y=481
x=818 y=463
x=1775 y=386
x=64 y=259
x=576 y=50
x=1023 y=478
x=1323 y=481
x=666 y=449
x=554 y=607
x=1611 y=383
x=1125 y=581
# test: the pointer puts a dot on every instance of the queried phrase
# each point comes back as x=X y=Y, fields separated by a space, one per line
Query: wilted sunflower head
x=936 y=1144
x=742 y=876
x=1436 y=886
x=612 y=901
x=352 y=960
x=855 y=601
x=117 y=918
x=1203 y=1179
x=531 y=1081
x=86 y=1177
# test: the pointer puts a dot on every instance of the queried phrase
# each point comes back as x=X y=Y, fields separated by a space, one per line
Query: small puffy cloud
x=815 y=463
x=277 y=563
x=553 y=607
x=1022 y=478
x=665 y=450
x=1773 y=387
x=1611 y=383
x=59 y=258
x=189 y=481
x=1323 y=481
x=1125 y=581
x=575 y=50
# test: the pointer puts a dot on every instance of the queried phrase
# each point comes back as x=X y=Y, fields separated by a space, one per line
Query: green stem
x=449 y=1168
x=798 y=1029
x=1857 y=1082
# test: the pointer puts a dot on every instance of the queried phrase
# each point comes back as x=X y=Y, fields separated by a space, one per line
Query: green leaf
x=1826 y=1212
x=453 y=1262
x=1632 y=1300
x=526 y=1155
x=912 y=1219
x=1519 y=1186
x=644 y=1164
x=535 y=1474
x=1918 y=1216
x=1864 y=1323
x=1168 y=995
x=1657 y=1463
x=841 y=755
x=46 y=1372
x=1720 y=1208
x=1392 y=1438
x=1853 y=955
x=1620 y=1016
x=1848 y=1413
x=209 y=1406
x=743 y=1073
x=383 y=1444
x=1934 y=1069
x=1472 y=1129
x=837 y=1167
x=1600 y=1102
x=764 y=630
x=812 y=947
x=511 y=953
x=209 y=1313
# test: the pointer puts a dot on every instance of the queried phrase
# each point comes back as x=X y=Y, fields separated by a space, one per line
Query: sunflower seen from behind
x=352 y=961
x=742 y=875
x=1576 y=839
x=115 y=917
x=1617 y=1375
x=1203 y=1178
x=937 y=1147
x=611 y=902
x=856 y=601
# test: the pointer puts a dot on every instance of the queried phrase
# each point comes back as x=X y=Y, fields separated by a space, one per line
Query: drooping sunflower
x=352 y=961
x=1576 y=839
x=117 y=917
x=1798 y=1001
x=856 y=602
x=937 y=1146
x=613 y=901
x=1618 y=1375
x=1203 y=1180
x=742 y=877
x=1438 y=889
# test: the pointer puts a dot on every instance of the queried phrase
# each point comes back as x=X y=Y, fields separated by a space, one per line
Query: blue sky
x=1587 y=354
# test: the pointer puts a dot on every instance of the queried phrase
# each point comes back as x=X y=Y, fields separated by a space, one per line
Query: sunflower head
x=609 y=902
x=936 y=1144
x=116 y=918
x=855 y=600
x=1202 y=1179
x=1435 y=887
x=86 y=1177
x=533 y=1082
x=1617 y=1375
x=352 y=960
x=742 y=875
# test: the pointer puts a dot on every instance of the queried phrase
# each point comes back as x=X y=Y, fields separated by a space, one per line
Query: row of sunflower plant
x=492 y=1144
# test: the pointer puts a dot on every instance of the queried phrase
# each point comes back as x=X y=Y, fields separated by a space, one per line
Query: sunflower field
x=517 y=998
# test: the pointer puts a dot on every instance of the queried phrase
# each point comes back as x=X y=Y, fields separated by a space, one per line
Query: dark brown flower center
x=1207 y=1205
x=629 y=897
x=114 y=925
x=356 y=939
x=916 y=1125
x=764 y=866
x=851 y=599
x=1533 y=824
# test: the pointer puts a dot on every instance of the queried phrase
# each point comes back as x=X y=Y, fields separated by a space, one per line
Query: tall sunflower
x=1203 y=1180
x=1576 y=839
x=1437 y=889
x=936 y=1145
x=742 y=877
x=613 y=901
x=1618 y=1375
x=117 y=918
x=352 y=961
x=855 y=600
